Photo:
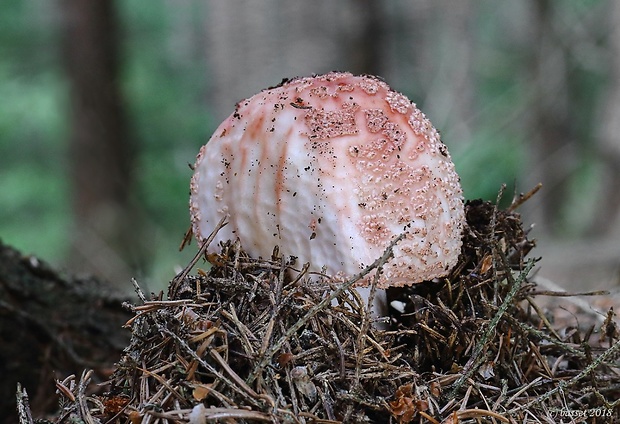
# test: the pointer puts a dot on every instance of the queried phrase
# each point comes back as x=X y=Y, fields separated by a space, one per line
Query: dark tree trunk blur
x=551 y=142
x=609 y=216
x=449 y=91
x=101 y=150
x=368 y=46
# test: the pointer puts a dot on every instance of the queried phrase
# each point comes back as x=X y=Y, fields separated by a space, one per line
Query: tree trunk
x=551 y=145
x=609 y=142
x=101 y=151
x=367 y=48
x=449 y=90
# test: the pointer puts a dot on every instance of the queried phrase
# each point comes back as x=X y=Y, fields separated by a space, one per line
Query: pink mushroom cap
x=331 y=168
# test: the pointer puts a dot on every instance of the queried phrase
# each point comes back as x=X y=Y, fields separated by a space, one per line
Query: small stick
x=138 y=290
x=542 y=317
x=361 y=337
x=23 y=406
x=187 y=238
x=569 y=294
x=81 y=397
x=341 y=352
x=522 y=198
x=176 y=281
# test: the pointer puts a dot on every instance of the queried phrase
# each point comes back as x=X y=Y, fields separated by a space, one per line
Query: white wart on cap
x=331 y=168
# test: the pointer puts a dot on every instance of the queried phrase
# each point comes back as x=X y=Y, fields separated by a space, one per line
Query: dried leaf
x=115 y=404
x=201 y=391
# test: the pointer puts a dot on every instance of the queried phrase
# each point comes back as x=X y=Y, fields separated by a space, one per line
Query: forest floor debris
x=246 y=342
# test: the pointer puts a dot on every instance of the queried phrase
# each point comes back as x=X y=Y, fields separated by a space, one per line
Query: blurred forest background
x=103 y=104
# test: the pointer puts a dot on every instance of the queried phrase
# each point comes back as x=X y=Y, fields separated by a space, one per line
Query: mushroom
x=331 y=168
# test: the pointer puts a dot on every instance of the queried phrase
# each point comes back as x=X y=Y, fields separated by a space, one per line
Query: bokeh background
x=103 y=104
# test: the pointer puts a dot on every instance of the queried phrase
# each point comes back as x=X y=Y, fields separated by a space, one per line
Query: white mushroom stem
x=331 y=168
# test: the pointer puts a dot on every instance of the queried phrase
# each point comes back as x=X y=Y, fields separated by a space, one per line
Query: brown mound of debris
x=244 y=342
x=51 y=325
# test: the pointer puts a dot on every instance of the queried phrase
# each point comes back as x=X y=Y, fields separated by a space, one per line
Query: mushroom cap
x=331 y=168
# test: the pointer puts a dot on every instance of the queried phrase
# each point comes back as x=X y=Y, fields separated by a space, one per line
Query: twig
x=138 y=290
x=522 y=198
x=479 y=413
x=569 y=294
x=542 y=317
x=23 y=406
x=81 y=398
x=340 y=354
x=213 y=414
x=365 y=312
x=537 y=381
x=178 y=279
